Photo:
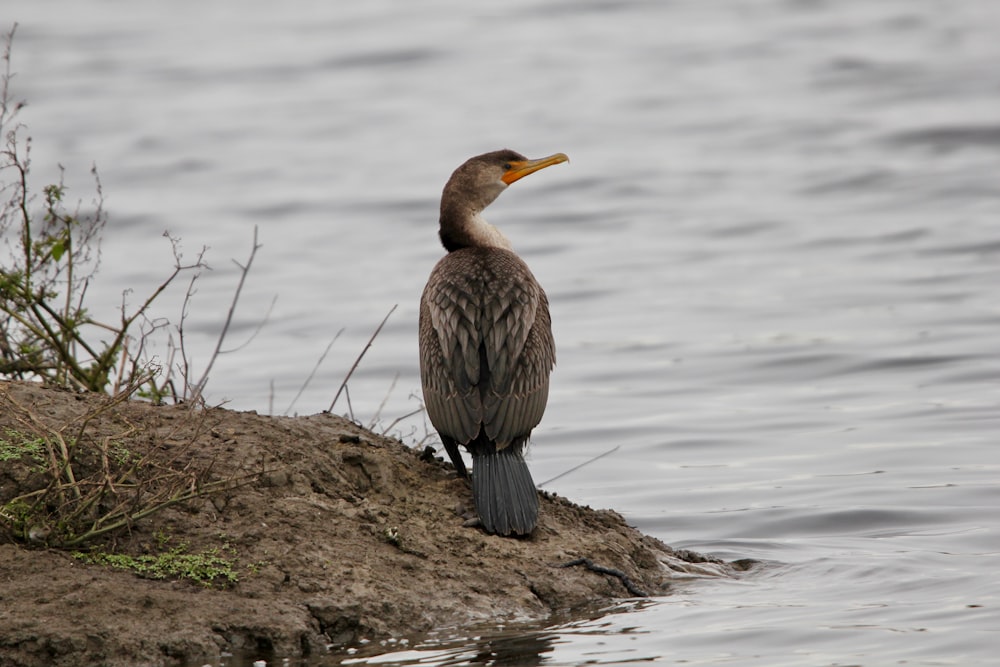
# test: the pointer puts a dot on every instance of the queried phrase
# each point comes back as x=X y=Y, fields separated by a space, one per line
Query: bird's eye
x=506 y=166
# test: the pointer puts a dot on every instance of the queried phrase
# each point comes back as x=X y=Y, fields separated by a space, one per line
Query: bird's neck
x=469 y=229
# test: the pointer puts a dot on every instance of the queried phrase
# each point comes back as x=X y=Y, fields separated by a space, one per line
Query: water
x=773 y=266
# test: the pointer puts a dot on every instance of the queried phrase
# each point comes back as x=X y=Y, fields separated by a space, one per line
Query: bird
x=486 y=346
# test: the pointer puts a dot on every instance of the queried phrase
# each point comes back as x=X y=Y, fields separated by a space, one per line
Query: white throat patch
x=488 y=235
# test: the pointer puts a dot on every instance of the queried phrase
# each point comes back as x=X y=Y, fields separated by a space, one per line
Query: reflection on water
x=505 y=649
x=515 y=643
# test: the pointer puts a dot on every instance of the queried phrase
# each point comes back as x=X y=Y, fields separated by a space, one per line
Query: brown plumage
x=486 y=347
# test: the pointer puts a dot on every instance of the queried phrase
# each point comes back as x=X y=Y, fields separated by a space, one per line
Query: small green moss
x=162 y=538
x=15 y=444
x=16 y=514
x=207 y=568
x=121 y=454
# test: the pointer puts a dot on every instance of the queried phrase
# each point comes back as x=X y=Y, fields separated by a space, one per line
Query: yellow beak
x=522 y=168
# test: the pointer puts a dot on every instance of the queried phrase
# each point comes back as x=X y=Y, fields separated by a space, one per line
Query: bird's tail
x=504 y=493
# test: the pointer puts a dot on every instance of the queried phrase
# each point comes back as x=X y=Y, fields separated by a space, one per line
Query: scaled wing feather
x=486 y=346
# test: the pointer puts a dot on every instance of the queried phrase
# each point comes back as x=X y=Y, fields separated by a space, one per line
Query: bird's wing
x=449 y=355
x=486 y=347
x=519 y=354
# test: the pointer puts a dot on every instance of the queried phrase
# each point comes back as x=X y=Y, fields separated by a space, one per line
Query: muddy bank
x=336 y=535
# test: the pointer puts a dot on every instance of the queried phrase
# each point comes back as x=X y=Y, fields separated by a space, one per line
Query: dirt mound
x=336 y=535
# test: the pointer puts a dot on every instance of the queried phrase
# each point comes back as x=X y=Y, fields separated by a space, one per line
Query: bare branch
x=357 y=361
x=260 y=325
x=385 y=399
x=395 y=421
x=577 y=467
x=199 y=387
x=312 y=373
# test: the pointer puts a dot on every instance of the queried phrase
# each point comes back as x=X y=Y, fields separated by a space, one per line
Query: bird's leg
x=451 y=447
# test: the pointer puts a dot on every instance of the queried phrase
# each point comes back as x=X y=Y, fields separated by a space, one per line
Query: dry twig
x=343 y=385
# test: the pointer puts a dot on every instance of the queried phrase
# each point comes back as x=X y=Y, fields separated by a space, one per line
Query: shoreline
x=337 y=537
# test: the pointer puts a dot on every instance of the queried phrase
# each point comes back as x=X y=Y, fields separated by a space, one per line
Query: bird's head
x=481 y=179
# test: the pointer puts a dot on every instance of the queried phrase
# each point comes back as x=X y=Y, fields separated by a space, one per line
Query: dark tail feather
x=504 y=493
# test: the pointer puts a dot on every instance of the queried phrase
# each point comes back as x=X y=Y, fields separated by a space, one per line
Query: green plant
x=15 y=445
x=78 y=485
x=207 y=568
x=85 y=483
x=45 y=329
x=47 y=261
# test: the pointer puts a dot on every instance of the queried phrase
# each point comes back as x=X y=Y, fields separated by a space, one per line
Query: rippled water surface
x=773 y=263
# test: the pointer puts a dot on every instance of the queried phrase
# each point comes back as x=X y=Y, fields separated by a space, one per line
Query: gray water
x=773 y=264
